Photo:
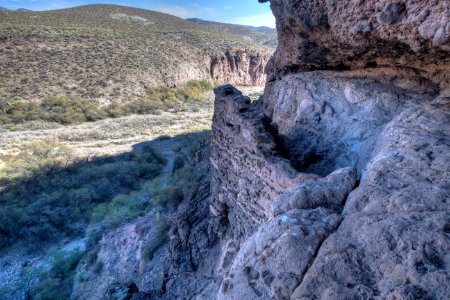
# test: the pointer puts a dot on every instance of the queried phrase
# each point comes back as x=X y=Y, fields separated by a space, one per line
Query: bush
x=68 y=110
x=57 y=282
x=45 y=193
x=168 y=197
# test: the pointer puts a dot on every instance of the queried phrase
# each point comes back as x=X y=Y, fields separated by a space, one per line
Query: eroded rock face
x=336 y=183
x=343 y=35
x=242 y=67
x=122 y=264
x=390 y=256
x=247 y=171
x=273 y=261
x=354 y=125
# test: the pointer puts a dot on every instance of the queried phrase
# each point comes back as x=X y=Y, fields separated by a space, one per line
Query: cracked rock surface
x=272 y=262
x=354 y=126
x=336 y=183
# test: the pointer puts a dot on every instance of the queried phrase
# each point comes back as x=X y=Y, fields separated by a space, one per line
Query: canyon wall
x=336 y=183
x=238 y=66
x=241 y=67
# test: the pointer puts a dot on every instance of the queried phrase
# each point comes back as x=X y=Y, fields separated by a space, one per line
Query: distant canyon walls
x=239 y=67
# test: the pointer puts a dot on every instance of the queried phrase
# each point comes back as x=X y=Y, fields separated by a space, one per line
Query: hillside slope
x=114 y=53
x=262 y=35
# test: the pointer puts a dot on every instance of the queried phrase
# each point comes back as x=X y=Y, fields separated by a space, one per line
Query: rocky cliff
x=336 y=183
x=244 y=67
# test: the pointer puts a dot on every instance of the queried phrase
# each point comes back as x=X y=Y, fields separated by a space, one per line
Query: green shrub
x=45 y=193
x=168 y=197
x=57 y=282
x=68 y=110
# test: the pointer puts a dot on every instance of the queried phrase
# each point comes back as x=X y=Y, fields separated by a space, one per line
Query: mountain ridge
x=111 y=53
x=262 y=34
x=199 y=20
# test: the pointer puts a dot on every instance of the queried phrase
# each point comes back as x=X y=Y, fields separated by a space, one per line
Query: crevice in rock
x=307 y=161
x=280 y=148
x=303 y=163
x=316 y=252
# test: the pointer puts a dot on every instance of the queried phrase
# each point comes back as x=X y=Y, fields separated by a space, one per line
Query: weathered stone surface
x=330 y=191
x=364 y=91
x=343 y=35
x=383 y=256
x=336 y=183
x=248 y=173
x=271 y=263
x=194 y=246
x=410 y=167
x=120 y=265
x=329 y=120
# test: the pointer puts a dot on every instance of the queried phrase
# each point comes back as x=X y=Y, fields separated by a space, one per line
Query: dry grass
x=113 y=136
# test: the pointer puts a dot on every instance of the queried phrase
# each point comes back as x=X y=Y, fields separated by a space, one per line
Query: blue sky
x=245 y=12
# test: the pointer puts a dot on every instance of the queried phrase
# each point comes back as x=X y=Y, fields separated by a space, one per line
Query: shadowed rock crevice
x=324 y=123
x=301 y=163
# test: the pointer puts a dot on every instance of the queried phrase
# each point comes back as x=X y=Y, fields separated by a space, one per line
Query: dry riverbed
x=114 y=136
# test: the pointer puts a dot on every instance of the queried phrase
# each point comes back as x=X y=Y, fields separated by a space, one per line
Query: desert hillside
x=113 y=53
x=263 y=35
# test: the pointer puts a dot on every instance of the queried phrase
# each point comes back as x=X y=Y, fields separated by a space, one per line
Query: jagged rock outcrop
x=353 y=126
x=243 y=67
x=344 y=35
x=336 y=183
x=123 y=263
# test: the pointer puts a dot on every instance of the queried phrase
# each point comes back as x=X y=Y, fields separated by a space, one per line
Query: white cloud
x=266 y=19
x=228 y=7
